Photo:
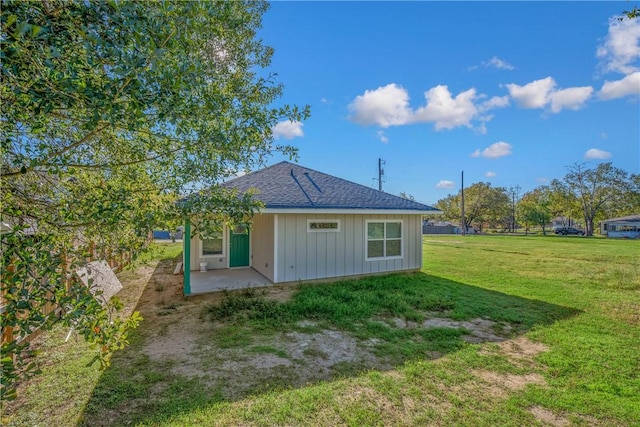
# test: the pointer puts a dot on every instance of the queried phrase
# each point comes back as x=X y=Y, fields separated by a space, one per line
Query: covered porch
x=226 y=279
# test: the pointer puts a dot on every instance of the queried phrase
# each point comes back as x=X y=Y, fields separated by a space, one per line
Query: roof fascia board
x=350 y=211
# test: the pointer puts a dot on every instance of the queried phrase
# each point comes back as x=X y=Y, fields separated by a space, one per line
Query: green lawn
x=570 y=307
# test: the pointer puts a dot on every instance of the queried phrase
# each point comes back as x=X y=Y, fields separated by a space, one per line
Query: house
x=625 y=227
x=313 y=226
x=440 y=227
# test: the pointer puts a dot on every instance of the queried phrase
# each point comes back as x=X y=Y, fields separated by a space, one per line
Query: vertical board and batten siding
x=213 y=263
x=304 y=255
x=262 y=234
x=262 y=256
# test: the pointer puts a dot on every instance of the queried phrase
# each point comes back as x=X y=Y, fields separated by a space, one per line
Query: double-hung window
x=384 y=239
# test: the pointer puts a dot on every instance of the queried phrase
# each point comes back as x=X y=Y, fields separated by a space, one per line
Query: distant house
x=440 y=227
x=623 y=227
x=313 y=226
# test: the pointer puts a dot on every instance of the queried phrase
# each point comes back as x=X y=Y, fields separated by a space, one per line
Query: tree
x=407 y=196
x=563 y=203
x=514 y=194
x=483 y=204
x=628 y=203
x=535 y=207
x=110 y=112
x=450 y=207
x=598 y=190
x=631 y=14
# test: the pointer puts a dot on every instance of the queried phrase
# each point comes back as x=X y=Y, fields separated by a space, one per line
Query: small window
x=318 y=225
x=240 y=229
x=213 y=244
x=383 y=239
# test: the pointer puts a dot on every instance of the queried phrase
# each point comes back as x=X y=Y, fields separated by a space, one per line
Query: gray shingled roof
x=289 y=186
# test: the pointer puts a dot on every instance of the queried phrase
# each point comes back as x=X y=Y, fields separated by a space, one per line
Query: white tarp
x=99 y=277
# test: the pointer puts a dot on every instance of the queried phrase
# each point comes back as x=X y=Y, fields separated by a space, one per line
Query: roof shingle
x=289 y=186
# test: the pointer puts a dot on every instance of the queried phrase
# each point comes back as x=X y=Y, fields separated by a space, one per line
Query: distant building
x=440 y=227
x=626 y=227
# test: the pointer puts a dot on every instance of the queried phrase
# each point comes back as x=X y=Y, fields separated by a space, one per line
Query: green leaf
x=11 y=19
x=35 y=30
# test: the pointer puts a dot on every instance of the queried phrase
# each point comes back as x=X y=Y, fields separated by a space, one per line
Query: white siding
x=262 y=245
x=212 y=262
x=317 y=255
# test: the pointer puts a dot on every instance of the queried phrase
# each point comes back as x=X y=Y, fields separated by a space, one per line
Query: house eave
x=345 y=211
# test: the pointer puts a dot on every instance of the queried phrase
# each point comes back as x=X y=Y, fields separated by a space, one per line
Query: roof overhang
x=338 y=211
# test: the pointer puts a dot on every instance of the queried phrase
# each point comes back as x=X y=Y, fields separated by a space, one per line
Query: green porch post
x=186 y=243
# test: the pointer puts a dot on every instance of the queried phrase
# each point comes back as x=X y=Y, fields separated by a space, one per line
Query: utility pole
x=515 y=194
x=464 y=224
x=380 y=173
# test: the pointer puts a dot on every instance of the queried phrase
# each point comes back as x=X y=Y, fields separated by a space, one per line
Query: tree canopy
x=592 y=194
x=110 y=112
x=484 y=204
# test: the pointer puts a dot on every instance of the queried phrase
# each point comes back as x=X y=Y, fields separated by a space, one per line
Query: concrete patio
x=226 y=279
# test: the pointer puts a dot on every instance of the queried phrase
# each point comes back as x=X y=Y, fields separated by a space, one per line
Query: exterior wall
x=262 y=243
x=303 y=255
x=212 y=262
x=440 y=229
x=624 y=234
x=621 y=229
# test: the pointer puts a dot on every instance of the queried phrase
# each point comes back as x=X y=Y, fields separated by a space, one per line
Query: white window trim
x=366 y=239
x=323 y=230
x=224 y=246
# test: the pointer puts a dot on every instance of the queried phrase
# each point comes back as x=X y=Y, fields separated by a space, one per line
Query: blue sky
x=510 y=92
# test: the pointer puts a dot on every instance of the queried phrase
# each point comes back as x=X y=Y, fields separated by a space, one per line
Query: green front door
x=239 y=247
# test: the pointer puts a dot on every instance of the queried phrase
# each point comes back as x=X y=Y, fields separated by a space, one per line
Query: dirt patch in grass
x=522 y=348
x=502 y=384
x=547 y=417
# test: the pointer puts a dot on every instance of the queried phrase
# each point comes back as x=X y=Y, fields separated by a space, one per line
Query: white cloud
x=490 y=174
x=595 y=153
x=389 y=106
x=382 y=136
x=534 y=94
x=498 y=63
x=604 y=135
x=384 y=106
x=494 y=102
x=445 y=185
x=494 y=151
x=572 y=98
x=543 y=92
x=542 y=180
x=445 y=111
x=288 y=129
x=630 y=85
x=621 y=46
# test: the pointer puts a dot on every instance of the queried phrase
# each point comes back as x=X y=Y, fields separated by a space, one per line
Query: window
x=384 y=239
x=213 y=244
x=240 y=229
x=315 y=225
